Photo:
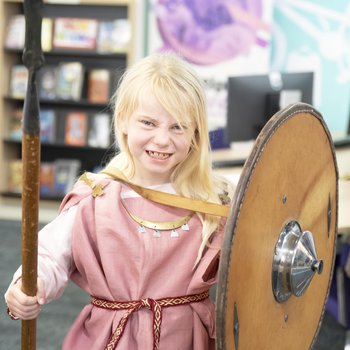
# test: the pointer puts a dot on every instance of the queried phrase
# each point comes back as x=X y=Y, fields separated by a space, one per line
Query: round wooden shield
x=290 y=176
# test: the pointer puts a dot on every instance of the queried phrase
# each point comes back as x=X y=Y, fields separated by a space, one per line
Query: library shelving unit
x=90 y=157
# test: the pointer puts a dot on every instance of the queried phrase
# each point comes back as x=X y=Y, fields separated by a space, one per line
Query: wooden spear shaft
x=33 y=60
x=31 y=163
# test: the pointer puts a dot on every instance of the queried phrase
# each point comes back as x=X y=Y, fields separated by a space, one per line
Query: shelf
x=68 y=103
x=80 y=2
x=64 y=146
x=19 y=195
x=75 y=53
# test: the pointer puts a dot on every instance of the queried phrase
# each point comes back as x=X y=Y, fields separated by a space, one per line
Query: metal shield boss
x=279 y=245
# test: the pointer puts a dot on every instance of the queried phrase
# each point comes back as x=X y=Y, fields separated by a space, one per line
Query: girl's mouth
x=158 y=155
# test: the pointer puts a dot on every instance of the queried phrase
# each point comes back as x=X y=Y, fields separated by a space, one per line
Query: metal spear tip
x=32 y=54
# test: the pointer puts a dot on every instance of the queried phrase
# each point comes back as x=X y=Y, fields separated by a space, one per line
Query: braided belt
x=154 y=305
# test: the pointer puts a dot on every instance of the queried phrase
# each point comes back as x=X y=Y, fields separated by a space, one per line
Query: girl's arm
x=54 y=265
x=55 y=262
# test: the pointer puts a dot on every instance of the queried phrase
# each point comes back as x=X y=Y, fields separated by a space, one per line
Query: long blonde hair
x=178 y=89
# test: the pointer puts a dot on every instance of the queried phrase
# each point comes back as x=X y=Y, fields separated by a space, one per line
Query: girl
x=147 y=266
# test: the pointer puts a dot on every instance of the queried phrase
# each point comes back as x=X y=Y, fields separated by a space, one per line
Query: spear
x=33 y=59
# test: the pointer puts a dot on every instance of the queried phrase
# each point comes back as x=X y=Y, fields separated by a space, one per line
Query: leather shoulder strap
x=168 y=198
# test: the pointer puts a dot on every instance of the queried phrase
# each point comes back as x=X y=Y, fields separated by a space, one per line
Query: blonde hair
x=178 y=89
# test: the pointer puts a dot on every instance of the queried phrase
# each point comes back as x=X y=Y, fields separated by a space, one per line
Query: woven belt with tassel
x=154 y=305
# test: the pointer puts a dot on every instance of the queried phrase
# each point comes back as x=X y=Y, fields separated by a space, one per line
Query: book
x=75 y=33
x=98 y=86
x=19 y=81
x=15 y=32
x=76 y=128
x=47 y=126
x=15 y=125
x=70 y=76
x=46 y=34
x=47 y=79
x=47 y=179
x=66 y=173
x=100 y=130
x=113 y=36
x=15 y=176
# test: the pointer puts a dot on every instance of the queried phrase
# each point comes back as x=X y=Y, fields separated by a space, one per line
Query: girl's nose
x=161 y=137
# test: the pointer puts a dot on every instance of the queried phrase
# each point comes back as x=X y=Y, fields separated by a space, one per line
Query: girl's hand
x=23 y=306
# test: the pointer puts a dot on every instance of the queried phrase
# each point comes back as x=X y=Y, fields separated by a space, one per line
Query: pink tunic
x=114 y=261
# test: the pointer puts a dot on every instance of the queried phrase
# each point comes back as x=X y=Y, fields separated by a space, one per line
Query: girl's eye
x=147 y=122
x=179 y=127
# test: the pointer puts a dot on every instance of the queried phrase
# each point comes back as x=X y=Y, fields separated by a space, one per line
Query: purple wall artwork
x=207 y=32
x=220 y=38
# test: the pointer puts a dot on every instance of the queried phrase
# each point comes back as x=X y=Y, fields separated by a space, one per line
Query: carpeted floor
x=56 y=317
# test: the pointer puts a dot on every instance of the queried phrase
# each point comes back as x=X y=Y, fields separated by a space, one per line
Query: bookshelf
x=114 y=61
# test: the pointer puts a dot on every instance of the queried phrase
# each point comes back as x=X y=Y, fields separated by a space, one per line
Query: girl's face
x=156 y=141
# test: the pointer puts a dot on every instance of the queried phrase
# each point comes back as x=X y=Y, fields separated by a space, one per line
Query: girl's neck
x=149 y=182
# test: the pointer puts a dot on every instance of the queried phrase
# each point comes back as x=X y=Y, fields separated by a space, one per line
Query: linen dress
x=112 y=260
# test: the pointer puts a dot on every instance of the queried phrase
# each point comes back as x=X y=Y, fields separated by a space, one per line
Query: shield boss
x=279 y=244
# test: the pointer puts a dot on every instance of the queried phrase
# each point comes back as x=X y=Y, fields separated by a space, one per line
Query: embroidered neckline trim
x=159 y=225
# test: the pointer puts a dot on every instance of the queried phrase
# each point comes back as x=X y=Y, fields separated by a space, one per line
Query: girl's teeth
x=159 y=155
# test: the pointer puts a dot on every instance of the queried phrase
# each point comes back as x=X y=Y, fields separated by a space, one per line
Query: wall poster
x=314 y=36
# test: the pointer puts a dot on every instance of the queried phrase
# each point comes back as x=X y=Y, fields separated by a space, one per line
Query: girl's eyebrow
x=144 y=115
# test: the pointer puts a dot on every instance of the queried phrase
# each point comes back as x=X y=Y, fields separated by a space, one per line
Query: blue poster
x=315 y=36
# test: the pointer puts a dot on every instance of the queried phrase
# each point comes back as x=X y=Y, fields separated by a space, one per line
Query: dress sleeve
x=55 y=262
